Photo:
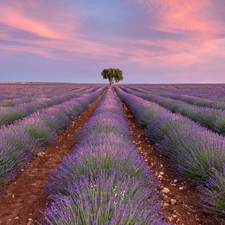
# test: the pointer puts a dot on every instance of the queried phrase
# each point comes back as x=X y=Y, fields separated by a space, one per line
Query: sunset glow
x=152 y=41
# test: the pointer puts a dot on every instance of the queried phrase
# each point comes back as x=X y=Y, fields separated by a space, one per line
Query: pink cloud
x=11 y=17
x=29 y=49
x=197 y=19
x=60 y=28
x=196 y=22
x=189 y=15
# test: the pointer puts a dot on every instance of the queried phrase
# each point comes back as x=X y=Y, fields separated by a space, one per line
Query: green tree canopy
x=113 y=75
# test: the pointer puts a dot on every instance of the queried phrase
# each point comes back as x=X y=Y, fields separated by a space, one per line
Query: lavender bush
x=195 y=150
x=15 y=147
x=7 y=116
x=107 y=125
x=110 y=139
x=213 y=197
x=54 y=118
x=15 y=101
x=197 y=101
x=92 y=159
x=107 y=197
x=38 y=131
x=143 y=110
x=161 y=124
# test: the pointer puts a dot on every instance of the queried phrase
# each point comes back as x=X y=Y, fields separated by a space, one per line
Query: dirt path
x=179 y=199
x=25 y=198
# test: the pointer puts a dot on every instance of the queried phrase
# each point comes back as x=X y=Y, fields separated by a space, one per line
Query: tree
x=113 y=75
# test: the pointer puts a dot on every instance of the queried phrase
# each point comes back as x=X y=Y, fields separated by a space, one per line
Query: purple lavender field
x=104 y=179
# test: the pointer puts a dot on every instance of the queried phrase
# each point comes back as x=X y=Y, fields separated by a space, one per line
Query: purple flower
x=107 y=197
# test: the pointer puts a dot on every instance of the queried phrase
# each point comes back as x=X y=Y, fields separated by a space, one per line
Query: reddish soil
x=24 y=200
x=179 y=199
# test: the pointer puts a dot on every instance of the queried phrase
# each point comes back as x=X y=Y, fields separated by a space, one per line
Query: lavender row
x=208 y=91
x=10 y=92
x=37 y=90
x=20 y=142
x=10 y=114
x=197 y=101
x=198 y=153
x=212 y=119
x=21 y=98
x=104 y=180
x=15 y=101
x=189 y=98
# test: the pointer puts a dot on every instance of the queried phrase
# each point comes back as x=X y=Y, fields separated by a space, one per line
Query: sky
x=151 y=41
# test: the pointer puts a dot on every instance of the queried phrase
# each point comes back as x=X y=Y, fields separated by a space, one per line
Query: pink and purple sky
x=152 y=41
